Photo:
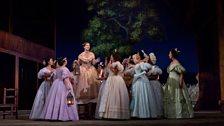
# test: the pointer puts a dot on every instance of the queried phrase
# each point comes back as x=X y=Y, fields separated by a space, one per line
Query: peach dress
x=88 y=86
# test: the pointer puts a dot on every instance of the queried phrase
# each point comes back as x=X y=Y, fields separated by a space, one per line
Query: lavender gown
x=157 y=89
x=56 y=107
x=41 y=95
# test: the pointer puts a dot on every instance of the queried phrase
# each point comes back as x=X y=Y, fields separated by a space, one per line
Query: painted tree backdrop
x=117 y=24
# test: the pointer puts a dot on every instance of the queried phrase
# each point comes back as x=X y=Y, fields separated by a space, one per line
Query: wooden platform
x=203 y=118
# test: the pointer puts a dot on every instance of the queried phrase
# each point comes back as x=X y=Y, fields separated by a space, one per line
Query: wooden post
x=17 y=76
x=220 y=16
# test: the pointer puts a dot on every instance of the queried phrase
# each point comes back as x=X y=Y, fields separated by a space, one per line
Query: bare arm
x=181 y=80
x=67 y=83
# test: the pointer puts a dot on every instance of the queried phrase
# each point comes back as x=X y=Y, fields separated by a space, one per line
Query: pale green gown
x=176 y=100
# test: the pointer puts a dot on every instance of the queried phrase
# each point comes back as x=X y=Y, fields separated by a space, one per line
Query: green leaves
x=131 y=3
x=135 y=34
x=104 y=49
x=120 y=24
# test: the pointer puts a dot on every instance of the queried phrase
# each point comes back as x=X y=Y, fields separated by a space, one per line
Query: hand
x=97 y=60
x=76 y=61
x=126 y=61
x=99 y=78
x=69 y=89
x=109 y=64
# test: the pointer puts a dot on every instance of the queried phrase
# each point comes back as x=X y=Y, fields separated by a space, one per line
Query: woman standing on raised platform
x=88 y=85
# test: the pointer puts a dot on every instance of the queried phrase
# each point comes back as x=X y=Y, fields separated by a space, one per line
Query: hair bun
x=177 y=50
x=44 y=63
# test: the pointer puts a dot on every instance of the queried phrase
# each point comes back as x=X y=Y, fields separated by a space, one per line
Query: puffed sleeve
x=65 y=73
x=179 y=69
x=65 y=76
x=41 y=73
x=158 y=70
x=155 y=71
x=119 y=66
x=145 y=66
x=80 y=56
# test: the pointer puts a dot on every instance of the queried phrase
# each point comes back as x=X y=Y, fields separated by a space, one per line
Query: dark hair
x=116 y=56
x=131 y=61
x=141 y=54
x=175 y=52
x=86 y=42
x=107 y=59
x=60 y=61
x=46 y=60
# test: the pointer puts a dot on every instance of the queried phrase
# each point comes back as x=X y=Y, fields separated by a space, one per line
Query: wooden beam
x=21 y=47
x=220 y=17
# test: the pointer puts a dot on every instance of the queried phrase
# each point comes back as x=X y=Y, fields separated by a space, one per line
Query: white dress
x=102 y=86
x=114 y=102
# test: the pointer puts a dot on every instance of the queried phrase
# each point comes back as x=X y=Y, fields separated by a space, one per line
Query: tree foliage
x=119 y=24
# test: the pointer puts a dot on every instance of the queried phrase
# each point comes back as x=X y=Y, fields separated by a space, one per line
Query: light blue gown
x=143 y=104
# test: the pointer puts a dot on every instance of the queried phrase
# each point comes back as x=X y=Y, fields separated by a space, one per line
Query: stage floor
x=208 y=118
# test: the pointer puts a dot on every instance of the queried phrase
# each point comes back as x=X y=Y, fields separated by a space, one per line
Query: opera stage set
x=29 y=35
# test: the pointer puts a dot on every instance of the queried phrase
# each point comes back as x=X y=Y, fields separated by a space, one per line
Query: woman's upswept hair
x=46 y=60
x=60 y=61
x=116 y=56
x=141 y=54
x=86 y=42
x=175 y=52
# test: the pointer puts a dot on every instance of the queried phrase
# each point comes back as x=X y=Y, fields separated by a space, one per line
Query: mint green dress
x=176 y=100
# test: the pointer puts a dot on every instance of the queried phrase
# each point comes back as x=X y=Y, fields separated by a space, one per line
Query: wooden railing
x=21 y=47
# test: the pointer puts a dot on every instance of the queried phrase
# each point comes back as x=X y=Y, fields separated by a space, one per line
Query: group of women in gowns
x=50 y=102
x=146 y=96
x=120 y=90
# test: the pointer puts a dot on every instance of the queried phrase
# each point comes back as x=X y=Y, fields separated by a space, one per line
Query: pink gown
x=88 y=86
